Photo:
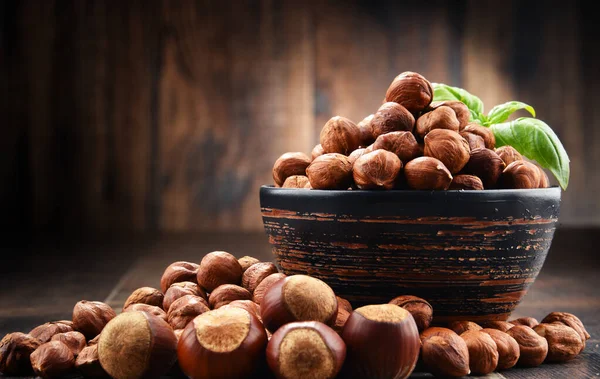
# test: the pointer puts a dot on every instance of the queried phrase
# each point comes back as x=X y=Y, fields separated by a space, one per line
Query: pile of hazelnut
x=409 y=143
x=241 y=318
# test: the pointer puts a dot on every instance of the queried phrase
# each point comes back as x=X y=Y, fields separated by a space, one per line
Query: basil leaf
x=501 y=112
x=535 y=139
x=442 y=92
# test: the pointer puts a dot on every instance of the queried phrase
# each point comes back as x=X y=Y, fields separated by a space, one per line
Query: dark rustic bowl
x=471 y=254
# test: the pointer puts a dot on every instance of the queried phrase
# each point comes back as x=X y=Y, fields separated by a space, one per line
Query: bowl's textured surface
x=471 y=254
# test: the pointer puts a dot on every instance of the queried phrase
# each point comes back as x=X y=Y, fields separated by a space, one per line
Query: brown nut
x=449 y=147
x=486 y=165
x=366 y=134
x=145 y=295
x=459 y=327
x=483 y=352
x=463 y=114
x=90 y=317
x=340 y=135
x=247 y=261
x=217 y=268
x=474 y=141
x=178 y=272
x=466 y=182
x=152 y=309
x=508 y=154
x=568 y=319
x=15 y=349
x=357 y=154
x=256 y=274
x=486 y=133
x=564 y=343
x=440 y=118
x=94 y=340
x=295 y=181
x=345 y=304
x=527 y=321
x=444 y=353
x=227 y=293
x=74 y=341
x=419 y=308
x=521 y=174
x=376 y=170
x=508 y=348
x=184 y=309
x=248 y=305
x=88 y=363
x=330 y=171
x=410 y=90
x=340 y=319
x=263 y=286
x=532 y=346
x=45 y=331
x=503 y=326
x=178 y=290
x=403 y=144
x=391 y=117
x=289 y=164
x=317 y=151
x=427 y=173
x=52 y=359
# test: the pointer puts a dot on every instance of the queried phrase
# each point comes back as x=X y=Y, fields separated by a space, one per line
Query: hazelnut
x=444 y=353
x=521 y=174
x=366 y=133
x=568 y=319
x=532 y=346
x=508 y=348
x=317 y=151
x=344 y=304
x=178 y=290
x=466 y=182
x=145 y=295
x=459 y=327
x=289 y=164
x=248 y=305
x=45 y=331
x=410 y=90
x=256 y=274
x=486 y=165
x=376 y=170
x=544 y=182
x=185 y=309
x=223 y=343
x=264 y=285
x=94 y=340
x=247 y=261
x=295 y=181
x=90 y=317
x=463 y=114
x=382 y=341
x=483 y=352
x=330 y=171
x=340 y=135
x=527 y=321
x=307 y=349
x=227 y=293
x=15 y=349
x=419 y=308
x=298 y=298
x=486 y=133
x=503 y=326
x=440 y=118
x=449 y=147
x=403 y=144
x=391 y=117
x=474 y=141
x=178 y=272
x=75 y=341
x=152 y=309
x=357 y=154
x=88 y=363
x=217 y=268
x=340 y=319
x=508 y=154
x=52 y=359
x=151 y=346
x=564 y=343
x=427 y=173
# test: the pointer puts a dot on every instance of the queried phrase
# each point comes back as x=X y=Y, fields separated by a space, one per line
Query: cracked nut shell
x=376 y=170
x=330 y=171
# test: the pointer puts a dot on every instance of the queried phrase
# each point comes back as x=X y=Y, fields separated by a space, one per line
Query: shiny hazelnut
x=317 y=151
x=544 y=182
x=152 y=309
x=427 y=173
x=223 y=343
x=459 y=327
x=344 y=303
x=483 y=352
x=340 y=135
x=508 y=154
x=295 y=181
x=151 y=346
x=564 y=343
x=185 y=309
x=520 y=174
x=568 y=319
x=298 y=298
x=357 y=154
x=366 y=133
x=440 y=118
x=219 y=267
x=306 y=349
x=15 y=349
x=391 y=117
x=410 y=90
x=475 y=141
x=486 y=165
x=466 y=182
x=449 y=147
x=52 y=359
x=382 y=341
x=444 y=353
x=178 y=272
x=403 y=144
x=486 y=133
x=463 y=114
x=145 y=295
x=226 y=293
x=90 y=317
x=256 y=274
x=503 y=326
x=88 y=363
x=74 y=341
x=376 y=170
x=527 y=321
x=508 y=348
x=532 y=346
x=247 y=261
x=330 y=171
x=45 y=331
x=419 y=308
x=289 y=164
x=178 y=290
x=264 y=285
x=248 y=305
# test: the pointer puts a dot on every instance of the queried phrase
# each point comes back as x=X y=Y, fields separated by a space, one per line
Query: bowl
x=471 y=254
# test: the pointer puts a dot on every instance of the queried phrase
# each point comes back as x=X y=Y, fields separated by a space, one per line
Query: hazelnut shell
x=376 y=170
x=391 y=117
x=217 y=268
x=532 y=346
x=410 y=90
x=419 y=308
x=181 y=289
x=145 y=295
x=256 y=274
x=293 y=163
x=185 y=309
x=330 y=171
x=568 y=319
x=508 y=348
x=427 y=173
x=445 y=354
x=52 y=359
x=90 y=317
x=564 y=343
x=486 y=133
x=340 y=135
x=466 y=182
x=449 y=147
x=176 y=272
x=15 y=349
x=486 y=165
x=483 y=352
x=403 y=144
x=226 y=293
x=440 y=118
x=520 y=174
x=75 y=341
x=463 y=114
x=459 y=327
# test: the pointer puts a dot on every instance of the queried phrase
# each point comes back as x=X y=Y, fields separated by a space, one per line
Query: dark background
x=127 y=117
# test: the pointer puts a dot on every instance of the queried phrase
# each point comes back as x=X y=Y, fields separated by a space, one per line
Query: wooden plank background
x=168 y=115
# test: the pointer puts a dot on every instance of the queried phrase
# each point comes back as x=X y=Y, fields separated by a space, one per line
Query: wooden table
x=43 y=281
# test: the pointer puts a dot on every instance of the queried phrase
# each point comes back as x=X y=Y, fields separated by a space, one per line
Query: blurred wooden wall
x=167 y=115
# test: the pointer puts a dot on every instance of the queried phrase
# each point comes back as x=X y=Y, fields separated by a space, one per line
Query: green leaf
x=443 y=92
x=501 y=112
x=535 y=139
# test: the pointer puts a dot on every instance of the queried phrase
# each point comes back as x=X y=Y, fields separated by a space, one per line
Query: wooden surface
x=168 y=115
x=44 y=286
